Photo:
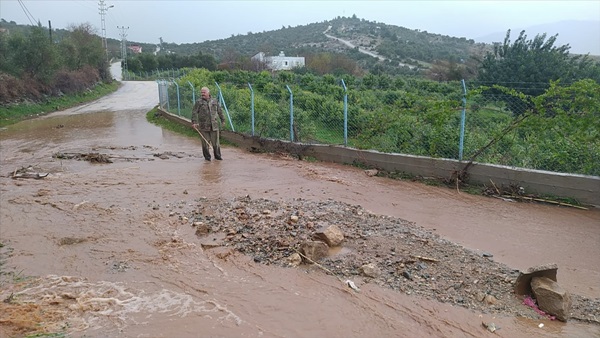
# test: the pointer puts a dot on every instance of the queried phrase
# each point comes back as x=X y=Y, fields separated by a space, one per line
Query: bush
x=11 y=89
x=69 y=82
x=14 y=90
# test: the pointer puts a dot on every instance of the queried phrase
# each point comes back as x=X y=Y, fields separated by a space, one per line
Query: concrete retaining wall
x=585 y=189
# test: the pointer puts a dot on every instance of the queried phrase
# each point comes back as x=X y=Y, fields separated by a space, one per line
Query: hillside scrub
x=415 y=116
x=35 y=68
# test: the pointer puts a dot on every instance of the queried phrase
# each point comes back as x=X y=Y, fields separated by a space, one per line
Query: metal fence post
x=160 y=103
x=251 y=106
x=193 y=92
x=168 y=101
x=222 y=100
x=291 y=113
x=345 y=113
x=178 y=100
x=462 y=121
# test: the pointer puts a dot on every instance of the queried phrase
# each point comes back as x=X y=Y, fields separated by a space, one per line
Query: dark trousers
x=211 y=136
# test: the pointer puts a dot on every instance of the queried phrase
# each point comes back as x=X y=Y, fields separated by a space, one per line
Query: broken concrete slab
x=523 y=283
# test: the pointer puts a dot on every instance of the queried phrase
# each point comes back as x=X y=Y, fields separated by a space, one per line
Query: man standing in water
x=207 y=118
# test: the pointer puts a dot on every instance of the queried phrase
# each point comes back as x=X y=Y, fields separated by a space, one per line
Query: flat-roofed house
x=280 y=62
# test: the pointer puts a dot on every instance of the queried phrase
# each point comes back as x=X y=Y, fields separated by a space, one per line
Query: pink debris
x=532 y=304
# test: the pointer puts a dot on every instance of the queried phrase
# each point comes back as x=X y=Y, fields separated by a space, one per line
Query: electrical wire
x=27 y=12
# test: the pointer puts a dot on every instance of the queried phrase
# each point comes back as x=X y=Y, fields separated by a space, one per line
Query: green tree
x=564 y=135
x=4 y=53
x=148 y=62
x=83 y=48
x=529 y=65
x=205 y=61
x=34 y=55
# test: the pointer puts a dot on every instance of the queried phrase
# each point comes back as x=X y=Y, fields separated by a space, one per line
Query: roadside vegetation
x=41 y=73
x=29 y=109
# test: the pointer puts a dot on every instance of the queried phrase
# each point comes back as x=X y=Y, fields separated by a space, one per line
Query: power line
x=27 y=12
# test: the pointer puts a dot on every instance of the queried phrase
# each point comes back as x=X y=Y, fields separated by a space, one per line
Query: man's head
x=205 y=92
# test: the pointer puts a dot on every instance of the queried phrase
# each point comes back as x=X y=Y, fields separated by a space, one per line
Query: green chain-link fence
x=465 y=121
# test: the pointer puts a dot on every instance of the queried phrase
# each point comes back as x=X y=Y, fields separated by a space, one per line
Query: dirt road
x=100 y=249
x=362 y=50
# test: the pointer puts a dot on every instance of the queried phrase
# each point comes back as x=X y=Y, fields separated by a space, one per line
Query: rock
x=209 y=245
x=489 y=326
x=551 y=297
x=202 y=229
x=407 y=275
x=370 y=270
x=371 y=172
x=489 y=299
x=314 y=250
x=294 y=260
x=480 y=296
x=523 y=283
x=294 y=219
x=332 y=235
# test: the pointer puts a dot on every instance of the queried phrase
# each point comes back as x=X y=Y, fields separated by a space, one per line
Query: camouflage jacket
x=207 y=114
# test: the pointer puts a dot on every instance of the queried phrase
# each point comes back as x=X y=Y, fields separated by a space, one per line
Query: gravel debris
x=411 y=259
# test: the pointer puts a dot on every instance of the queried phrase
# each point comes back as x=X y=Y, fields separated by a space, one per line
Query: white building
x=280 y=62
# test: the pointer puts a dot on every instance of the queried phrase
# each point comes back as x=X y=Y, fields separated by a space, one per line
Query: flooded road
x=95 y=247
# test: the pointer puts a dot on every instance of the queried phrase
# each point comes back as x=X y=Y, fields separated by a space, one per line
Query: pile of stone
x=540 y=283
x=311 y=251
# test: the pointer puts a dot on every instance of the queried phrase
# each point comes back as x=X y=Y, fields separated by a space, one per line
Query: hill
x=398 y=46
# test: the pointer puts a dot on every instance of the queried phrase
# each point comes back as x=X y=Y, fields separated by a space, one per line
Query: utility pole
x=103 y=9
x=123 y=35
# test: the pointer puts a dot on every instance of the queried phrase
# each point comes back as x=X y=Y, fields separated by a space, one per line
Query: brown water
x=137 y=272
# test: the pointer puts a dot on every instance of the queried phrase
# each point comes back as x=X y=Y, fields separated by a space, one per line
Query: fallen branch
x=546 y=201
x=428 y=259
x=27 y=173
x=93 y=157
x=36 y=176
x=347 y=282
x=495 y=187
x=317 y=264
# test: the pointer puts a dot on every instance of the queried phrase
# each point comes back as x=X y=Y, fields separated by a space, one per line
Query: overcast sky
x=196 y=21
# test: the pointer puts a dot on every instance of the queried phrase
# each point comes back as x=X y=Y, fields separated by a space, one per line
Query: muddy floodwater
x=94 y=249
